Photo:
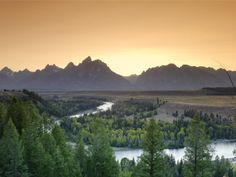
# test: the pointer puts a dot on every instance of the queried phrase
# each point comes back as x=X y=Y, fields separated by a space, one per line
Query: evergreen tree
x=80 y=156
x=69 y=167
x=169 y=167
x=49 y=145
x=221 y=167
x=198 y=152
x=151 y=162
x=34 y=153
x=11 y=153
x=60 y=139
x=33 y=117
x=16 y=111
x=125 y=174
x=59 y=164
x=126 y=164
x=234 y=152
x=179 y=169
x=102 y=163
x=2 y=118
x=231 y=172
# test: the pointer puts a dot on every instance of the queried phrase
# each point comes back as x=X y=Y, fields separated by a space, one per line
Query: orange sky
x=128 y=36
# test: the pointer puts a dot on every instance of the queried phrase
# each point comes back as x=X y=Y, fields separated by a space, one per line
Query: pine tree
x=2 y=118
x=11 y=153
x=64 y=150
x=198 y=152
x=34 y=153
x=234 y=124
x=80 y=156
x=102 y=162
x=17 y=113
x=151 y=162
x=33 y=116
x=49 y=145
x=222 y=167
x=231 y=172
x=60 y=139
x=179 y=169
x=59 y=164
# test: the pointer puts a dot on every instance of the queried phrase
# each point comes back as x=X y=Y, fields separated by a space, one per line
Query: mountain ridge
x=88 y=75
x=96 y=75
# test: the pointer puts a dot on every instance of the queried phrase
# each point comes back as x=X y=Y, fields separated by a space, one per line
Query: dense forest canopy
x=32 y=144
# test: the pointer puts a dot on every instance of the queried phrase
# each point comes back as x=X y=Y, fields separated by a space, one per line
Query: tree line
x=31 y=145
x=128 y=131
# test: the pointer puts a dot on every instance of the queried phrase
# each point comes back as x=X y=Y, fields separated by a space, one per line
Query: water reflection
x=221 y=148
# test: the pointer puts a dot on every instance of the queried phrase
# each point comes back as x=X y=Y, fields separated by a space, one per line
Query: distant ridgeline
x=220 y=91
x=97 y=76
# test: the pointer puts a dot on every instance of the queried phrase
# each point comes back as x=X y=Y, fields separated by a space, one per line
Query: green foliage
x=60 y=139
x=222 y=167
x=11 y=153
x=31 y=145
x=217 y=127
x=34 y=153
x=60 y=107
x=102 y=160
x=125 y=174
x=169 y=168
x=18 y=114
x=151 y=162
x=49 y=145
x=134 y=107
x=63 y=149
x=2 y=118
x=198 y=152
x=81 y=156
x=126 y=164
x=179 y=172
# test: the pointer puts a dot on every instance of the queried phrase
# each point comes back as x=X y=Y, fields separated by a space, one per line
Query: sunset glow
x=129 y=36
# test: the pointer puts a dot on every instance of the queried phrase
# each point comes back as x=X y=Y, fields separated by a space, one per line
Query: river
x=221 y=148
x=102 y=108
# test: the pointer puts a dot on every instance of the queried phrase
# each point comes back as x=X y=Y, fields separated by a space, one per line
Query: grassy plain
x=175 y=100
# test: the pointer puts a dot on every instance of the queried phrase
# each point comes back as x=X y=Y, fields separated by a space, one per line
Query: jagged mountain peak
x=87 y=60
x=70 y=65
x=89 y=64
x=51 y=68
x=26 y=70
x=6 y=70
x=96 y=75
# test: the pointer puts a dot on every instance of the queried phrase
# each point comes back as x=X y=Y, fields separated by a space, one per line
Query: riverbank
x=221 y=148
x=102 y=108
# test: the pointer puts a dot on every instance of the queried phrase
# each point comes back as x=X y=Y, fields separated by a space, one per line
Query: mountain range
x=96 y=75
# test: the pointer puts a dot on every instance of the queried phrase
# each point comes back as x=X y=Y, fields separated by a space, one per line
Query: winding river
x=102 y=108
x=221 y=147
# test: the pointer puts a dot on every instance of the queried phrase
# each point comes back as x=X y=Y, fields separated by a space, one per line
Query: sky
x=130 y=36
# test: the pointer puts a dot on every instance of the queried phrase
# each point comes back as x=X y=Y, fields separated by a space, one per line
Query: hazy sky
x=128 y=36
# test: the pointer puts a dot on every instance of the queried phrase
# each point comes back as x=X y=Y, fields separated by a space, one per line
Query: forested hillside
x=32 y=145
x=54 y=106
